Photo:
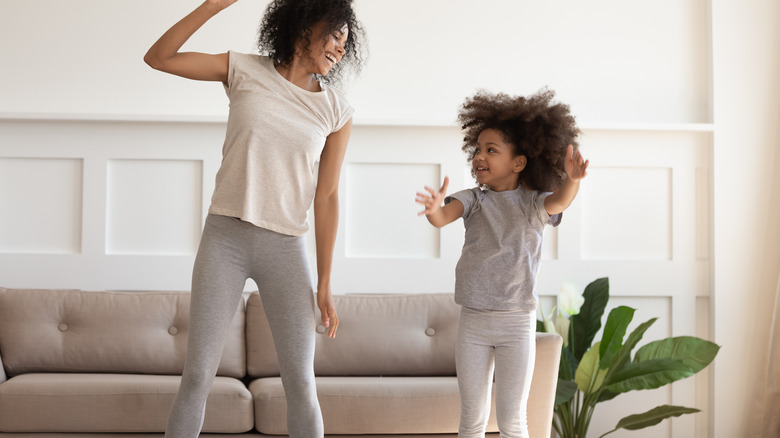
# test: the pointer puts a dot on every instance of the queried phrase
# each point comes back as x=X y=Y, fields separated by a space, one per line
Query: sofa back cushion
x=378 y=335
x=111 y=332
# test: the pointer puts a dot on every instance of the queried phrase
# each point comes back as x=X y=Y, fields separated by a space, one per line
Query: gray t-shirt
x=275 y=134
x=500 y=258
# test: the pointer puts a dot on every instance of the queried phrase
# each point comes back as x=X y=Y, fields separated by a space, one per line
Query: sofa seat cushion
x=369 y=405
x=113 y=403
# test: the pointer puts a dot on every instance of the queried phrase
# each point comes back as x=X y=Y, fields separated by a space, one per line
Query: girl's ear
x=519 y=163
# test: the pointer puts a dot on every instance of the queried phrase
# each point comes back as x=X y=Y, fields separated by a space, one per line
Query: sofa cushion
x=369 y=405
x=113 y=403
x=378 y=335
x=113 y=332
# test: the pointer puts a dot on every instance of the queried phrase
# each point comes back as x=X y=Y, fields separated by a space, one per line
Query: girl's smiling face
x=494 y=162
x=325 y=48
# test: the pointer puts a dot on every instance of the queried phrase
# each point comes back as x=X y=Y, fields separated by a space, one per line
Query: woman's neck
x=298 y=75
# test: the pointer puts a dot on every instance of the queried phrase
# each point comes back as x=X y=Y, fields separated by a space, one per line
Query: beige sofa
x=104 y=364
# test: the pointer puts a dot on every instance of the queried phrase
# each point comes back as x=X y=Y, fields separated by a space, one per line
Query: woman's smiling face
x=325 y=47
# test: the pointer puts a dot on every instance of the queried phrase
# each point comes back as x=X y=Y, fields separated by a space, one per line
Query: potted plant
x=590 y=373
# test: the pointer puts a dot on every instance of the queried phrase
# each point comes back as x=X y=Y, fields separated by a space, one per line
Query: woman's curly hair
x=285 y=21
x=535 y=126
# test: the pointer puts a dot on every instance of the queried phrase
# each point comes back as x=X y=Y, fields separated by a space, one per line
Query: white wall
x=107 y=167
x=85 y=57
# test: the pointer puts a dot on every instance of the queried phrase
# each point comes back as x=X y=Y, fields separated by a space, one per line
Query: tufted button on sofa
x=104 y=364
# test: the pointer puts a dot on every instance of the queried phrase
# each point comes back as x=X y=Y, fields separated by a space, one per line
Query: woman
x=284 y=117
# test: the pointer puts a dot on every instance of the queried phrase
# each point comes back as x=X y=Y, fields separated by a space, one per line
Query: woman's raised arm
x=164 y=54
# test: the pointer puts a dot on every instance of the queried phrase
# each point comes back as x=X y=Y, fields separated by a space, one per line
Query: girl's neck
x=505 y=188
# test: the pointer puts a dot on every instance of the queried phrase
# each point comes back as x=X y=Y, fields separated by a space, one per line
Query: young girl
x=283 y=118
x=524 y=157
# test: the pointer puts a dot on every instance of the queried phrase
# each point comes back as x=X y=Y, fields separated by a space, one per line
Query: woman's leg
x=515 y=356
x=217 y=284
x=474 y=364
x=284 y=280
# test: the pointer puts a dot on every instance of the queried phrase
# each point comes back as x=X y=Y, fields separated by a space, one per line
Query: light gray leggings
x=500 y=340
x=230 y=252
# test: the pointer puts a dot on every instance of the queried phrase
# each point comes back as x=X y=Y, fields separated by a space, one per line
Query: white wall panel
x=627 y=214
x=703 y=380
x=41 y=205
x=153 y=207
x=384 y=168
x=379 y=203
x=109 y=205
x=703 y=225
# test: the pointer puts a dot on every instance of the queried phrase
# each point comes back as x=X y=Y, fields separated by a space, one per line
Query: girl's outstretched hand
x=432 y=202
x=576 y=166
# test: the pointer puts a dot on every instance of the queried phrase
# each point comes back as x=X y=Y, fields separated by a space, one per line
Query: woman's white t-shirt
x=275 y=134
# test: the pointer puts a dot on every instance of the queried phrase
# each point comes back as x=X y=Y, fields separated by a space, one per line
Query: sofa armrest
x=3 y=377
x=544 y=384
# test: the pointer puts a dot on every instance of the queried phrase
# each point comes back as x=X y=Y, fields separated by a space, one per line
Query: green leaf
x=662 y=362
x=614 y=331
x=606 y=394
x=564 y=391
x=625 y=352
x=694 y=352
x=587 y=323
x=539 y=326
x=568 y=364
x=649 y=374
x=589 y=376
x=651 y=417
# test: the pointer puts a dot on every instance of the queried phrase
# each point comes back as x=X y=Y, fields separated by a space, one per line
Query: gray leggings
x=506 y=342
x=230 y=252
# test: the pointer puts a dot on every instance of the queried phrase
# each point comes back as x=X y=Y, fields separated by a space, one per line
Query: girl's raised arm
x=576 y=169
x=164 y=54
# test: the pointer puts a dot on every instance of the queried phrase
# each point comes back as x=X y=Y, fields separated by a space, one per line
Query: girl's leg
x=217 y=284
x=285 y=285
x=515 y=355
x=474 y=364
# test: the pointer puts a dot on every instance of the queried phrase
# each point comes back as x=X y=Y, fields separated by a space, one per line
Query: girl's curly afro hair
x=535 y=126
x=285 y=21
